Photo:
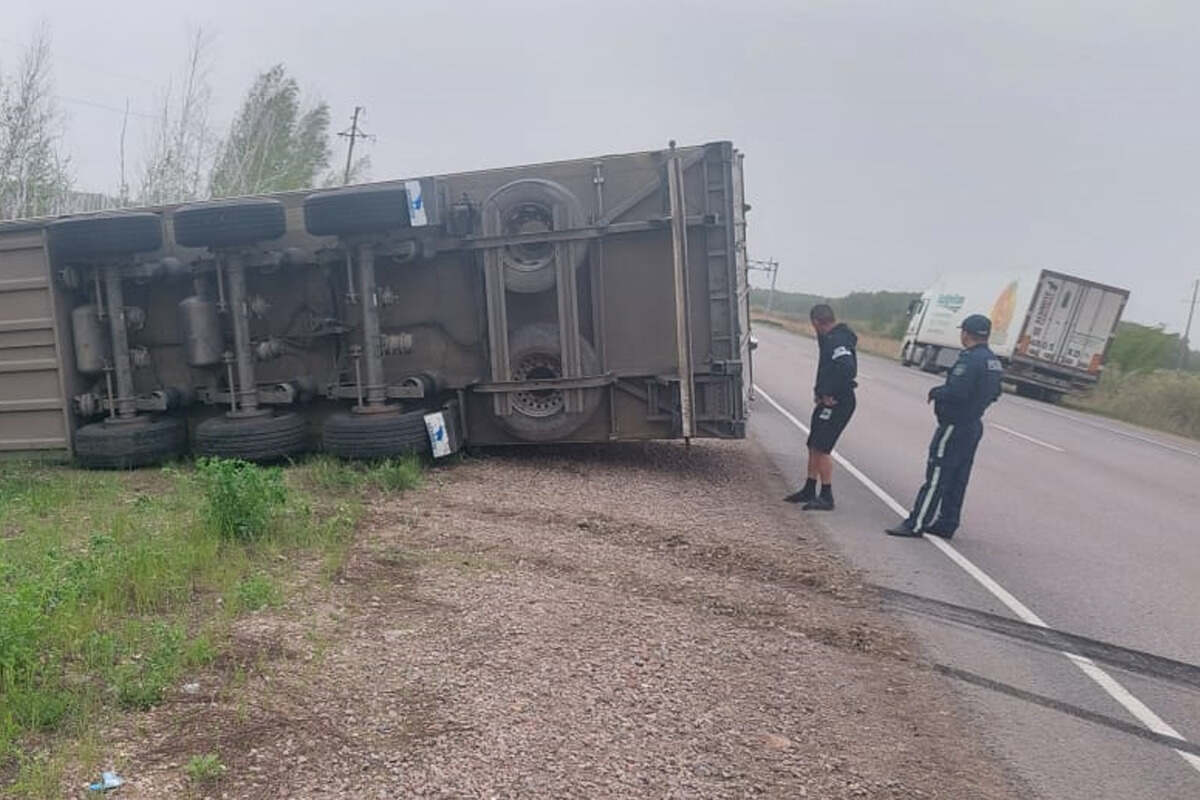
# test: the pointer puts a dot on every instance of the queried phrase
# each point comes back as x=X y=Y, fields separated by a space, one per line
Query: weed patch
x=116 y=587
x=241 y=499
x=204 y=769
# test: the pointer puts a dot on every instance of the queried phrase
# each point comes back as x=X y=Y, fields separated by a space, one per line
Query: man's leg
x=824 y=500
x=810 y=485
x=961 y=462
x=824 y=468
x=929 y=496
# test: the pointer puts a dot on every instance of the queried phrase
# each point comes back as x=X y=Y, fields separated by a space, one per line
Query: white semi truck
x=1051 y=330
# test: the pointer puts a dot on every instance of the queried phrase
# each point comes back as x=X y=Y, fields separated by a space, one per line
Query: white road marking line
x=1128 y=434
x=1020 y=435
x=1140 y=711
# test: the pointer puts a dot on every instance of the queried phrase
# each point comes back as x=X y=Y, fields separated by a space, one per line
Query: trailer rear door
x=1071 y=322
x=32 y=409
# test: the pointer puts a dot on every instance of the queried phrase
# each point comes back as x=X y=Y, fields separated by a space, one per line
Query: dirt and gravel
x=625 y=621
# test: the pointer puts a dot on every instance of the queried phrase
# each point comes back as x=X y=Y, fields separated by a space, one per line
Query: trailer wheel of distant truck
x=929 y=358
x=104 y=235
x=229 y=223
x=267 y=438
x=127 y=444
x=540 y=416
x=905 y=360
x=383 y=435
x=357 y=210
x=529 y=207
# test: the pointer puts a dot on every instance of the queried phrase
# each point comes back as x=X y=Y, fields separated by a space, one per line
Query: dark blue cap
x=977 y=325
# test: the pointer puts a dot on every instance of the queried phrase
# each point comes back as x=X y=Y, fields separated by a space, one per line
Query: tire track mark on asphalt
x=1140 y=711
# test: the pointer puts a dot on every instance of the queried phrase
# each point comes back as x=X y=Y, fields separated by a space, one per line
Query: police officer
x=834 y=402
x=972 y=385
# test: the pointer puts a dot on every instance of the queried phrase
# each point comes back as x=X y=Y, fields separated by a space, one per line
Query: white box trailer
x=1051 y=330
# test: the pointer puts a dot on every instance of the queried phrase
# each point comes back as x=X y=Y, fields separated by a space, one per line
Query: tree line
x=275 y=142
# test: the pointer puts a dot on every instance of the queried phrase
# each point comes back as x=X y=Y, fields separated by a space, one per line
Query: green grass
x=115 y=586
x=205 y=768
x=1164 y=400
x=391 y=475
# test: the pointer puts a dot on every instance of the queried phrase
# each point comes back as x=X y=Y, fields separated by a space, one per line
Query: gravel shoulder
x=622 y=621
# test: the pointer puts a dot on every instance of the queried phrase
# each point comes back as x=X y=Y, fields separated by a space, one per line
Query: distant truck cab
x=1051 y=330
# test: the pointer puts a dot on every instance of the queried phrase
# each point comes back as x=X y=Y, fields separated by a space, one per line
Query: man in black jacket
x=833 y=396
x=972 y=385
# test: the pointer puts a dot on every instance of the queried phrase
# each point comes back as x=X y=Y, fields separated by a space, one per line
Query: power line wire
x=113 y=109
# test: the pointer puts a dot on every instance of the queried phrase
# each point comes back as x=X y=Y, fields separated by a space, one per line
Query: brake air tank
x=200 y=328
x=93 y=348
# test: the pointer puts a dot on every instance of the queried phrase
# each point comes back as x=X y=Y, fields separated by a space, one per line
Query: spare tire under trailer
x=532 y=206
x=540 y=415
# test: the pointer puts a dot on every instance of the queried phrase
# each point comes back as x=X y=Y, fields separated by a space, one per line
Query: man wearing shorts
x=833 y=396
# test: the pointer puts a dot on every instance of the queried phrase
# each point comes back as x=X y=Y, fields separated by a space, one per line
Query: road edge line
x=1112 y=687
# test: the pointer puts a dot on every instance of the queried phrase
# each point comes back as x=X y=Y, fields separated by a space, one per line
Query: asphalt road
x=1091 y=525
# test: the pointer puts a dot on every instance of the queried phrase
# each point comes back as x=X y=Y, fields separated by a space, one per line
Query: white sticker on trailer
x=416 y=204
x=439 y=440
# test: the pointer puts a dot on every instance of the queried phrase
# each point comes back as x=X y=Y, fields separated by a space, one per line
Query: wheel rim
x=528 y=218
x=542 y=402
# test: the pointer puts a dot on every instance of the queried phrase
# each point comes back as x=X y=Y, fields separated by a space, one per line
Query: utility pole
x=1185 y=343
x=769 y=265
x=353 y=134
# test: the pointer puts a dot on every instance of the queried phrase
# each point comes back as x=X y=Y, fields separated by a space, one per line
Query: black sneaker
x=801 y=496
x=902 y=530
x=819 y=503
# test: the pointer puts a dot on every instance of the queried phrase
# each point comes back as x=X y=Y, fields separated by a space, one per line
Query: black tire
x=368 y=436
x=905 y=361
x=229 y=223
x=264 y=439
x=526 y=206
x=104 y=235
x=540 y=416
x=929 y=359
x=358 y=210
x=125 y=445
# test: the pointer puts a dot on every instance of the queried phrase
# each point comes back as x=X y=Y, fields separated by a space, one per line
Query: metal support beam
x=372 y=345
x=125 y=401
x=247 y=389
x=683 y=332
x=497 y=317
x=568 y=317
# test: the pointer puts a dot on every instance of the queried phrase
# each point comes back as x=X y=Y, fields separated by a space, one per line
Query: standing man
x=833 y=396
x=972 y=385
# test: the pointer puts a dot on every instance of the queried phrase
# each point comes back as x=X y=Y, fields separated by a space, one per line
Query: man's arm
x=957 y=387
x=839 y=377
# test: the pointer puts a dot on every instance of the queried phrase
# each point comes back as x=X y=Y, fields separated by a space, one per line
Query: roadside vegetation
x=115 y=587
x=1165 y=400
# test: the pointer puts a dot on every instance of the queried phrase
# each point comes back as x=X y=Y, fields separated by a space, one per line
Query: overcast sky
x=886 y=141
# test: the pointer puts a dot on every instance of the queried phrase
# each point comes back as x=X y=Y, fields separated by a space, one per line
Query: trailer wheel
x=229 y=223
x=905 y=355
x=528 y=206
x=358 y=210
x=540 y=416
x=929 y=358
x=105 y=235
x=384 y=435
x=125 y=445
x=266 y=438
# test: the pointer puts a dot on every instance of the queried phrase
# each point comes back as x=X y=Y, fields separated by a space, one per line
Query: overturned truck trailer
x=580 y=301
